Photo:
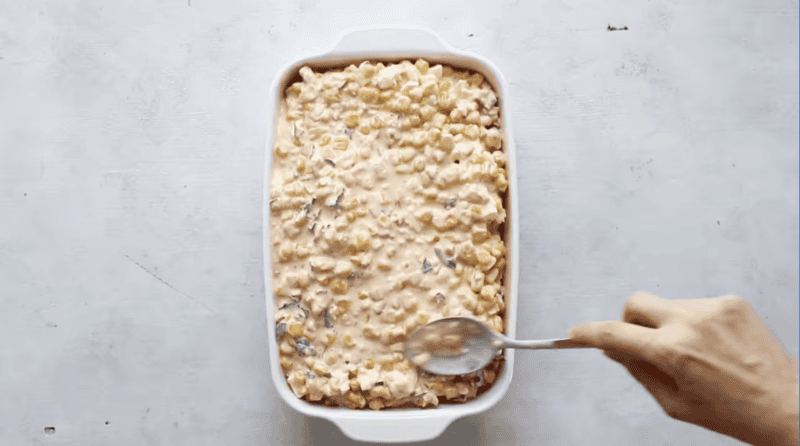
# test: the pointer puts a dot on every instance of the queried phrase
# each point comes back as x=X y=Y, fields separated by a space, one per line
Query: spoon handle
x=544 y=344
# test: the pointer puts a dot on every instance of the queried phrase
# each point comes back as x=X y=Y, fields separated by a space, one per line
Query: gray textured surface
x=662 y=158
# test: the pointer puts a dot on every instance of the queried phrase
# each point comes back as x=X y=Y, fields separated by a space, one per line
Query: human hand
x=711 y=362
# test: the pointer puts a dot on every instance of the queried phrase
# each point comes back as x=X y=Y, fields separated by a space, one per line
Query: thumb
x=632 y=339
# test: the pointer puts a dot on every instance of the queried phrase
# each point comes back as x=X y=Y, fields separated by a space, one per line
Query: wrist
x=786 y=427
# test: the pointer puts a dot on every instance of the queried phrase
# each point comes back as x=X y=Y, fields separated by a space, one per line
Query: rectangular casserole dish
x=396 y=43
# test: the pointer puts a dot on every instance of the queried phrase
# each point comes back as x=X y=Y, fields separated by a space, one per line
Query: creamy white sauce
x=386 y=200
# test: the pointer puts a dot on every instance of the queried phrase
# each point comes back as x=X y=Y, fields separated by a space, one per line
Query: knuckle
x=638 y=298
x=732 y=301
x=688 y=364
x=733 y=305
x=605 y=333
x=642 y=295
x=659 y=351
x=671 y=353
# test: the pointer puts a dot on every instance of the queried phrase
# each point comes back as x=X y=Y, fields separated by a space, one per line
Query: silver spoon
x=460 y=345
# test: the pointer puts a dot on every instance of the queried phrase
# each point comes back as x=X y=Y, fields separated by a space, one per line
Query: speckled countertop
x=663 y=157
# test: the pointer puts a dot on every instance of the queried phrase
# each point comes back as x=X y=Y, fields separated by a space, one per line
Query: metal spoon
x=460 y=345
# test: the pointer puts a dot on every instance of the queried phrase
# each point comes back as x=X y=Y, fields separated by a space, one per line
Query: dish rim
x=412 y=424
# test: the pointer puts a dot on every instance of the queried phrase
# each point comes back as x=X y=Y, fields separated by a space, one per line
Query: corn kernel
x=364 y=130
x=369 y=364
x=451 y=392
x=385 y=96
x=450 y=222
x=425 y=217
x=320 y=369
x=427 y=112
x=422 y=65
x=286 y=364
x=369 y=333
x=377 y=123
x=492 y=275
x=325 y=140
x=472 y=132
x=475 y=80
x=343 y=305
x=387 y=365
x=485 y=259
x=295 y=330
x=498 y=249
x=456 y=128
x=363 y=242
x=497 y=322
x=376 y=404
x=469 y=305
x=332 y=96
x=501 y=183
x=402 y=104
x=330 y=339
x=363 y=295
x=474 y=118
x=341 y=142
x=416 y=95
x=446 y=100
x=368 y=70
x=286 y=253
x=281 y=151
x=368 y=94
x=487 y=293
x=338 y=287
x=380 y=391
x=428 y=88
x=447 y=142
x=354 y=385
x=294 y=88
x=352 y=119
x=348 y=340
x=436 y=386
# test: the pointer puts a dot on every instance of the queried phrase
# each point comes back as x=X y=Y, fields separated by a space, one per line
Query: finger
x=648 y=310
x=632 y=339
x=660 y=384
x=656 y=380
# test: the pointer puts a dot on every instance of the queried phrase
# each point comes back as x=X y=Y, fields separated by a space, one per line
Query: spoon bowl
x=460 y=345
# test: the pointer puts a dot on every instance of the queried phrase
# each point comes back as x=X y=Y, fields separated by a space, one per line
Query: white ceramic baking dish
x=389 y=43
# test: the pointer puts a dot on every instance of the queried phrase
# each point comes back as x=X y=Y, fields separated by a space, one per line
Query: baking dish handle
x=395 y=430
x=396 y=39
